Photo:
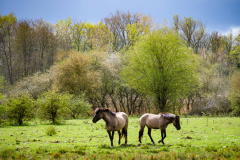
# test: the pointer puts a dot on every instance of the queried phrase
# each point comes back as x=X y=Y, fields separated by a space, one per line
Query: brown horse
x=114 y=122
x=160 y=121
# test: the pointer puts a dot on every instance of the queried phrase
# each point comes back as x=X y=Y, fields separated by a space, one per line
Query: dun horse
x=114 y=122
x=160 y=121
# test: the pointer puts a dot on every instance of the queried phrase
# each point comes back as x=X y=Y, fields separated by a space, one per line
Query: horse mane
x=168 y=115
x=105 y=110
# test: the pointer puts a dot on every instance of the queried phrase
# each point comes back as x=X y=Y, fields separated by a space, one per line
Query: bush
x=50 y=131
x=19 y=108
x=212 y=105
x=79 y=105
x=53 y=106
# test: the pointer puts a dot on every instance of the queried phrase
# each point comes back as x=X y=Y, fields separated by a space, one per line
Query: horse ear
x=96 y=110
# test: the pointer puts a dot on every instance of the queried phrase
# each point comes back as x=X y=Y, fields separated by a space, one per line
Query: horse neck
x=107 y=117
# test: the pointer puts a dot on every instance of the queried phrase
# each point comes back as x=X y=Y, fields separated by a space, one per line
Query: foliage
x=235 y=93
x=78 y=105
x=52 y=106
x=126 y=28
x=162 y=66
x=192 y=31
x=19 y=109
x=235 y=54
x=29 y=49
x=34 y=85
x=75 y=75
x=2 y=107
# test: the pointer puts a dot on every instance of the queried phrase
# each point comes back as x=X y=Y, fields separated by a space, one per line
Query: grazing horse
x=160 y=121
x=114 y=122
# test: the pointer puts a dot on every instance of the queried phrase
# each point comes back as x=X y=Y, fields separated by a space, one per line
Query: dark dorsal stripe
x=104 y=110
x=168 y=115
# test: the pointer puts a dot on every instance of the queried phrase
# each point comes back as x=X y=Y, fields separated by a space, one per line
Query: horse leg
x=111 y=137
x=149 y=134
x=120 y=136
x=163 y=134
x=140 y=135
x=124 y=132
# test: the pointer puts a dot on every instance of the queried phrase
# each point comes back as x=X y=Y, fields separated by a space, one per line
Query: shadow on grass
x=105 y=146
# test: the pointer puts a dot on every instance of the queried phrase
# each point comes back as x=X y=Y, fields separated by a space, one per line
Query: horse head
x=98 y=115
x=176 y=122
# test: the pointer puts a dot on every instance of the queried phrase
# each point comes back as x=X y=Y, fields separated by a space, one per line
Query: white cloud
x=234 y=30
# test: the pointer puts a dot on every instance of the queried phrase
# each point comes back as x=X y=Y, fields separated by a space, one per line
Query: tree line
x=125 y=62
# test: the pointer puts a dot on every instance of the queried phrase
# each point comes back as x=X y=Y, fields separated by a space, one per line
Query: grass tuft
x=50 y=131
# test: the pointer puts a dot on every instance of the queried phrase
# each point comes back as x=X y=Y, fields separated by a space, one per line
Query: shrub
x=79 y=105
x=211 y=105
x=52 y=106
x=50 y=131
x=19 y=108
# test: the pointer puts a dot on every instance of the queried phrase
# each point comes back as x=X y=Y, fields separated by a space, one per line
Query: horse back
x=122 y=120
x=152 y=121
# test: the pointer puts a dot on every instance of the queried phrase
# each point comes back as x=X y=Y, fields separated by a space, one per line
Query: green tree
x=52 y=106
x=161 y=65
x=19 y=108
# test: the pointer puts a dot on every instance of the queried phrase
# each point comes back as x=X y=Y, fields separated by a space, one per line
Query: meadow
x=199 y=138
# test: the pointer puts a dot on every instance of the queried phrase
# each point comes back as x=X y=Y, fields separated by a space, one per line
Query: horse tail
x=142 y=122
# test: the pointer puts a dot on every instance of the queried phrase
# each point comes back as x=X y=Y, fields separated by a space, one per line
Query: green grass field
x=199 y=138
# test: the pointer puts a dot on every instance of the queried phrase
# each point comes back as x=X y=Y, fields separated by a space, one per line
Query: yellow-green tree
x=162 y=66
x=126 y=27
x=234 y=55
x=78 y=34
x=102 y=38
x=76 y=75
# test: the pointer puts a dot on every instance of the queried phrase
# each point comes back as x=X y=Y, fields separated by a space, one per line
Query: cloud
x=234 y=30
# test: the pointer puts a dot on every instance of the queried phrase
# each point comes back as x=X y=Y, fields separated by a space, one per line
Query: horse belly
x=152 y=123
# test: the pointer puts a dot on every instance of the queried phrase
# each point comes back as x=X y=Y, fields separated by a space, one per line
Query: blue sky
x=217 y=15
